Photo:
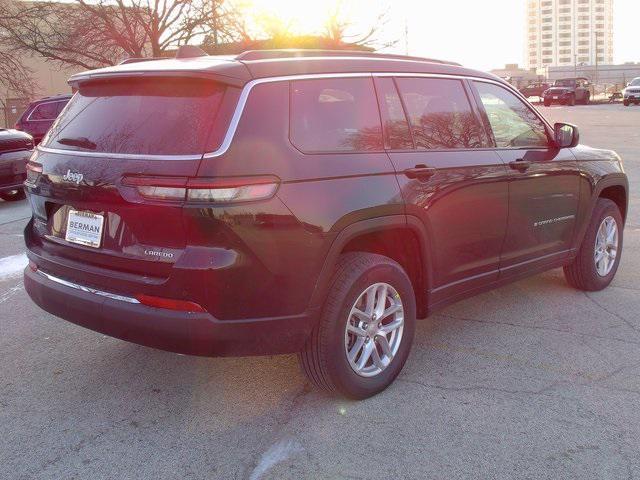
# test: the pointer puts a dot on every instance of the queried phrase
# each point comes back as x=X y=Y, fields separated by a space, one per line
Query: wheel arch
x=614 y=187
x=386 y=230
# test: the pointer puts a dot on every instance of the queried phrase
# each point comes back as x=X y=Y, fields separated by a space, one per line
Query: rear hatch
x=87 y=180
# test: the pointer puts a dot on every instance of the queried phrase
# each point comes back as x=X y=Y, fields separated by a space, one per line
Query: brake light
x=169 y=303
x=34 y=170
x=205 y=190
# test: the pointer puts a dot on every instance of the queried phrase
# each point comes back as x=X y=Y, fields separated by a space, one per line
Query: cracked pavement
x=534 y=380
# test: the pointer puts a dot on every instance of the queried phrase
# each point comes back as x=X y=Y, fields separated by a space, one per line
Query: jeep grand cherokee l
x=15 y=150
x=312 y=202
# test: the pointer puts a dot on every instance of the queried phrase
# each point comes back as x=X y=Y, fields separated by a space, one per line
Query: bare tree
x=342 y=30
x=95 y=33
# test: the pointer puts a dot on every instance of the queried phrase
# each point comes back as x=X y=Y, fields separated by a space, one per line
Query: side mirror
x=566 y=135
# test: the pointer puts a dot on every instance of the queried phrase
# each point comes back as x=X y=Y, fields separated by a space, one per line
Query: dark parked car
x=568 y=91
x=534 y=89
x=631 y=93
x=40 y=115
x=311 y=202
x=15 y=149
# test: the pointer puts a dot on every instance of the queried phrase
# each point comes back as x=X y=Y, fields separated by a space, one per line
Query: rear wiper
x=82 y=142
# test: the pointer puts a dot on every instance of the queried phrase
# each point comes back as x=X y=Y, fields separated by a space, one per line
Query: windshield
x=564 y=83
x=635 y=82
x=139 y=116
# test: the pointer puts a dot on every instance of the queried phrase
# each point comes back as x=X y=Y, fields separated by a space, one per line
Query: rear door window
x=440 y=114
x=158 y=116
x=335 y=115
x=397 y=135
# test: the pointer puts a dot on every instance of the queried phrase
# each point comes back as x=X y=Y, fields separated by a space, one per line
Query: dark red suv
x=306 y=201
x=40 y=115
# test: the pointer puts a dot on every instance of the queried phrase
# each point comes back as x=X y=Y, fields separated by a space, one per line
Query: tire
x=324 y=357
x=582 y=273
x=626 y=103
x=13 y=195
x=547 y=103
x=572 y=101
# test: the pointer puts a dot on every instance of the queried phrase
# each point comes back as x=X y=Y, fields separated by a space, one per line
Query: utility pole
x=406 y=36
x=595 y=83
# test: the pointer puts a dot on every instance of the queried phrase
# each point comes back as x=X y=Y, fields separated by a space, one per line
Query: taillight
x=34 y=170
x=205 y=190
x=169 y=303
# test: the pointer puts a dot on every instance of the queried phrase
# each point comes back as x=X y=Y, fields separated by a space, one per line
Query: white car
x=631 y=94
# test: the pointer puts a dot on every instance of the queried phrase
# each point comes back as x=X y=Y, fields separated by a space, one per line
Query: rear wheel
x=599 y=256
x=364 y=335
x=13 y=195
x=572 y=101
x=626 y=103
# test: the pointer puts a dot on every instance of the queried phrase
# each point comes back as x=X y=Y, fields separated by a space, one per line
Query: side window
x=514 y=124
x=440 y=114
x=335 y=115
x=395 y=127
x=45 y=111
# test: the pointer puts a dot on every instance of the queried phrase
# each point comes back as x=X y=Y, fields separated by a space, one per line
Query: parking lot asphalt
x=534 y=380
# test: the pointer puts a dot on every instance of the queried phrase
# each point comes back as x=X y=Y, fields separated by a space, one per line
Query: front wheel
x=364 y=335
x=13 y=195
x=599 y=256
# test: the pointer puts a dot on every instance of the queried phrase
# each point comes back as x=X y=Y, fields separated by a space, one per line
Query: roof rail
x=293 y=53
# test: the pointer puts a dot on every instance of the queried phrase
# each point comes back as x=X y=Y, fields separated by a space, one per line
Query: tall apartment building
x=569 y=32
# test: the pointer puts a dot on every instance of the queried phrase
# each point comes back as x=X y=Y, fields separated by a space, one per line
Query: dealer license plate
x=84 y=228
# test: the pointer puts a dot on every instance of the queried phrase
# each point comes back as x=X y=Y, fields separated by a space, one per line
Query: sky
x=482 y=34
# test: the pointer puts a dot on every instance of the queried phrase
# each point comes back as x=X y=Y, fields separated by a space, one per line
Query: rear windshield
x=139 y=116
x=565 y=83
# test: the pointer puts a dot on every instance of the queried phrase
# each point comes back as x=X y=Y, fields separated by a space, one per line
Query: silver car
x=631 y=94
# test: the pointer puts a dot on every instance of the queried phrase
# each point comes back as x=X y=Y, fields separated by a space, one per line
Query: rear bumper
x=180 y=332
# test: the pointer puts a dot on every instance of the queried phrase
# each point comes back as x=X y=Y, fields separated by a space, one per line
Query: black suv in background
x=306 y=201
x=40 y=115
x=15 y=149
x=568 y=91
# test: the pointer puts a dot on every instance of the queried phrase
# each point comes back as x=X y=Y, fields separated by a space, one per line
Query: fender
x=363 y=227
x=610 y=180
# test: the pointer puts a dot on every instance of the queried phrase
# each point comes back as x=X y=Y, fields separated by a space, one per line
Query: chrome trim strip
x=82 y=288
x=129 y=156
x=244 y=96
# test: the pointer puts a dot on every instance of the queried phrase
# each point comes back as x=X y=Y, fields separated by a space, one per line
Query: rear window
x=335 y=115
x=139 y=116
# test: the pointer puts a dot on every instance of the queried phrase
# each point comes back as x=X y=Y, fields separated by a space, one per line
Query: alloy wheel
x=374 y=330
x=606 y=248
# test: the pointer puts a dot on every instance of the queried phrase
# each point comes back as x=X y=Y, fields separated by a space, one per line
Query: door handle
x=520 y=165
x=420 y=171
